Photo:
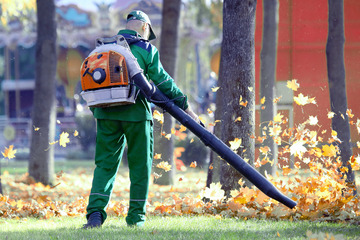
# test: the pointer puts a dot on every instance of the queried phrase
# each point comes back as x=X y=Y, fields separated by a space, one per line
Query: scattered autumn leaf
x=329 y=150
x=278 y=117
x=164 y=165
x=9 y=152
x=293 y=84
x=193 y=164
x=235 y=144
x=64 y=139
x=313 y=120
x=157 y=156
x=349 y=113
x=238 y=119
x=182 y=128
x=262 y=101
x=158 y=116
x=214 y=89
x=303 y=100
x=330 y=115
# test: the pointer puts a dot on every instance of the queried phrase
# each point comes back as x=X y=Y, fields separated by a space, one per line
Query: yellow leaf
x=76 y=133
x=164 y=165
x=301 y=100
x=36 y=129
x=262 y=101
x=264 y=150
x=158 y=116
x=235 y=144
x=214 y=89
x=9 y=152
x=330 y=115
x=244 y=104
x=333 y=133
x=54 y=142
x=293 y=85
x=157 y=156
x=278 y=117
x=238 y=119
x=329 y=151
x=173 y=131
x=192 y=140
x=168 y=136
x=182 y=128
x=349 y=113
x=274 y=131
x=64 y=139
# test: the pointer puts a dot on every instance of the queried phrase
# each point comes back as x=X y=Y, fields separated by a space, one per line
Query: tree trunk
x=337 y=85
x=237 y=83
x=268 y=78
x=41 y=164
x=168 y=50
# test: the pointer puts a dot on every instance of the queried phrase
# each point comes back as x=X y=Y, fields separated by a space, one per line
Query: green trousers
x=111 y=139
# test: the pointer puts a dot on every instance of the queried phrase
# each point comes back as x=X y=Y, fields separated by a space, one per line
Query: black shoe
x=94 y=221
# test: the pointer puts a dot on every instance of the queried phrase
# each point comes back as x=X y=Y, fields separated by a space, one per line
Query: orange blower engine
x=105 y=79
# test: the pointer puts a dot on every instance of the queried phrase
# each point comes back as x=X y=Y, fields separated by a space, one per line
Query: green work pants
x=111 y=138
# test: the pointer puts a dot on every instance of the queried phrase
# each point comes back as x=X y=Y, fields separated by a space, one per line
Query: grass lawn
x=196 y=227
x=156 y=227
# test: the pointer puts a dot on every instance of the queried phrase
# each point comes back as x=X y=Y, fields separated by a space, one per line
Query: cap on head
x=139 y=15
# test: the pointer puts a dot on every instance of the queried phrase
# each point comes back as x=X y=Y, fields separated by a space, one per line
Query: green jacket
x=148 y=58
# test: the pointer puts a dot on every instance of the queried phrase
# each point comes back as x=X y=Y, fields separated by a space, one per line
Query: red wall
x=303 y=28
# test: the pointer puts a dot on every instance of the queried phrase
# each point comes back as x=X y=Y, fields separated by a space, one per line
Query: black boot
x=94 y=220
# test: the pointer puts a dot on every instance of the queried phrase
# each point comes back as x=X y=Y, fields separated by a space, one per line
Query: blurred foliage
x=13 y=10
x=208 y=13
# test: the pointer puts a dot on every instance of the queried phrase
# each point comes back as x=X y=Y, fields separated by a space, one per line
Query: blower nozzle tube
x=157 y=97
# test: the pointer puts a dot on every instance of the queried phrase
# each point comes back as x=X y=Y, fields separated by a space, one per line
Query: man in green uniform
x=131 y=124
